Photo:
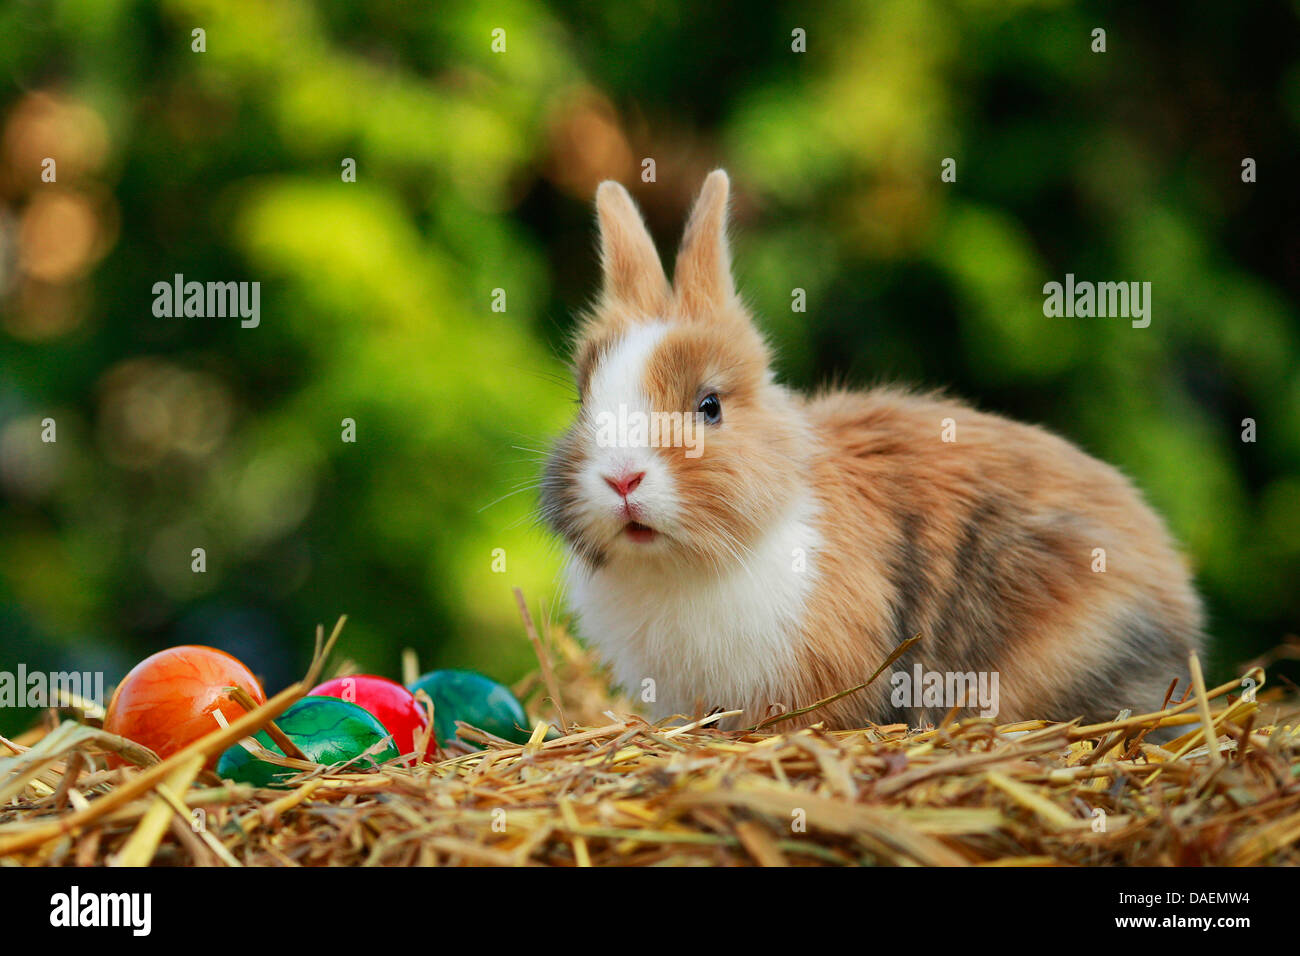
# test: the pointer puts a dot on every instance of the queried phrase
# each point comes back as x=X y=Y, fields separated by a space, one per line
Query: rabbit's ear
x=702 y=277
x=633 y=274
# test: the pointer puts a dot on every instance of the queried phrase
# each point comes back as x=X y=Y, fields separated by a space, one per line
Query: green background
x=475 y=172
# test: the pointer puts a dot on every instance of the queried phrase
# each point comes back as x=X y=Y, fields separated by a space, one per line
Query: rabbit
x=808 y=537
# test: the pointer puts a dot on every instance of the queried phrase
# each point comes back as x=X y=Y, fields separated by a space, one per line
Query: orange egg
x=167 y=700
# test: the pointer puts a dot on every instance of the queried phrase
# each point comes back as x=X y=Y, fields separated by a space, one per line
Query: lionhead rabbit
x=735 y=544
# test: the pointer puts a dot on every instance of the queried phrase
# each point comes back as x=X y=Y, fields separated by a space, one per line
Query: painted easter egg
x=475 y=699
x=326 y=729
x=166 y=702
x=394 y=705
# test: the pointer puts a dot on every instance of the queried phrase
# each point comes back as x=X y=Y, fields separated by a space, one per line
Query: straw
x=617 y=789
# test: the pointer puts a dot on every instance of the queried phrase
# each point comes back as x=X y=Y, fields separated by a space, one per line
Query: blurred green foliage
x=474 y=173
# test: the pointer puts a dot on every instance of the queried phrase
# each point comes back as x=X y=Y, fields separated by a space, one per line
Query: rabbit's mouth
x=641 y=533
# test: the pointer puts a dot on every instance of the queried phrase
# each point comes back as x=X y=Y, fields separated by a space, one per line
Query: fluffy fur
x=812 y=536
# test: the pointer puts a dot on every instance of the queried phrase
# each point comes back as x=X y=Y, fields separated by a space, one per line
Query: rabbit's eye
x=711 y=409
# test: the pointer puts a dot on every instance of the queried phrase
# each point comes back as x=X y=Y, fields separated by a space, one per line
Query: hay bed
x=617 y=790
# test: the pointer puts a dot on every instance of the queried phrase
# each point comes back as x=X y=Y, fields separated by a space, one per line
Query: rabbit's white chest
x=676 y=639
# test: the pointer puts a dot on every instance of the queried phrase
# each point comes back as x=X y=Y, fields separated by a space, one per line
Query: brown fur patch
x=737 y=487
x=984 y=547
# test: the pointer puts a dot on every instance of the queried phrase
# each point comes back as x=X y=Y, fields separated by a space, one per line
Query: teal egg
x=328 y=730
x=477 y=700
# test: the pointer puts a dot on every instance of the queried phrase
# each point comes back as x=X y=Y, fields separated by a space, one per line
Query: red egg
x=167 y=701
x=394 y=705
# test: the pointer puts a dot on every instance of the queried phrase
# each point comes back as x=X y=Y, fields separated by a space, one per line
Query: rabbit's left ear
x=633 y=274
x=702 y=276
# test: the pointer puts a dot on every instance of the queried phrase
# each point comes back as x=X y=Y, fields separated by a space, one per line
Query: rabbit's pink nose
x=626 y=484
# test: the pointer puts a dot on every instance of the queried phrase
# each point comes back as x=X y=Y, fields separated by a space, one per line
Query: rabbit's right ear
x=633 y=273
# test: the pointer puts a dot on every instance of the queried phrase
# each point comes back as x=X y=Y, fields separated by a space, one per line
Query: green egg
x=476 y=700
x=328 y=730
